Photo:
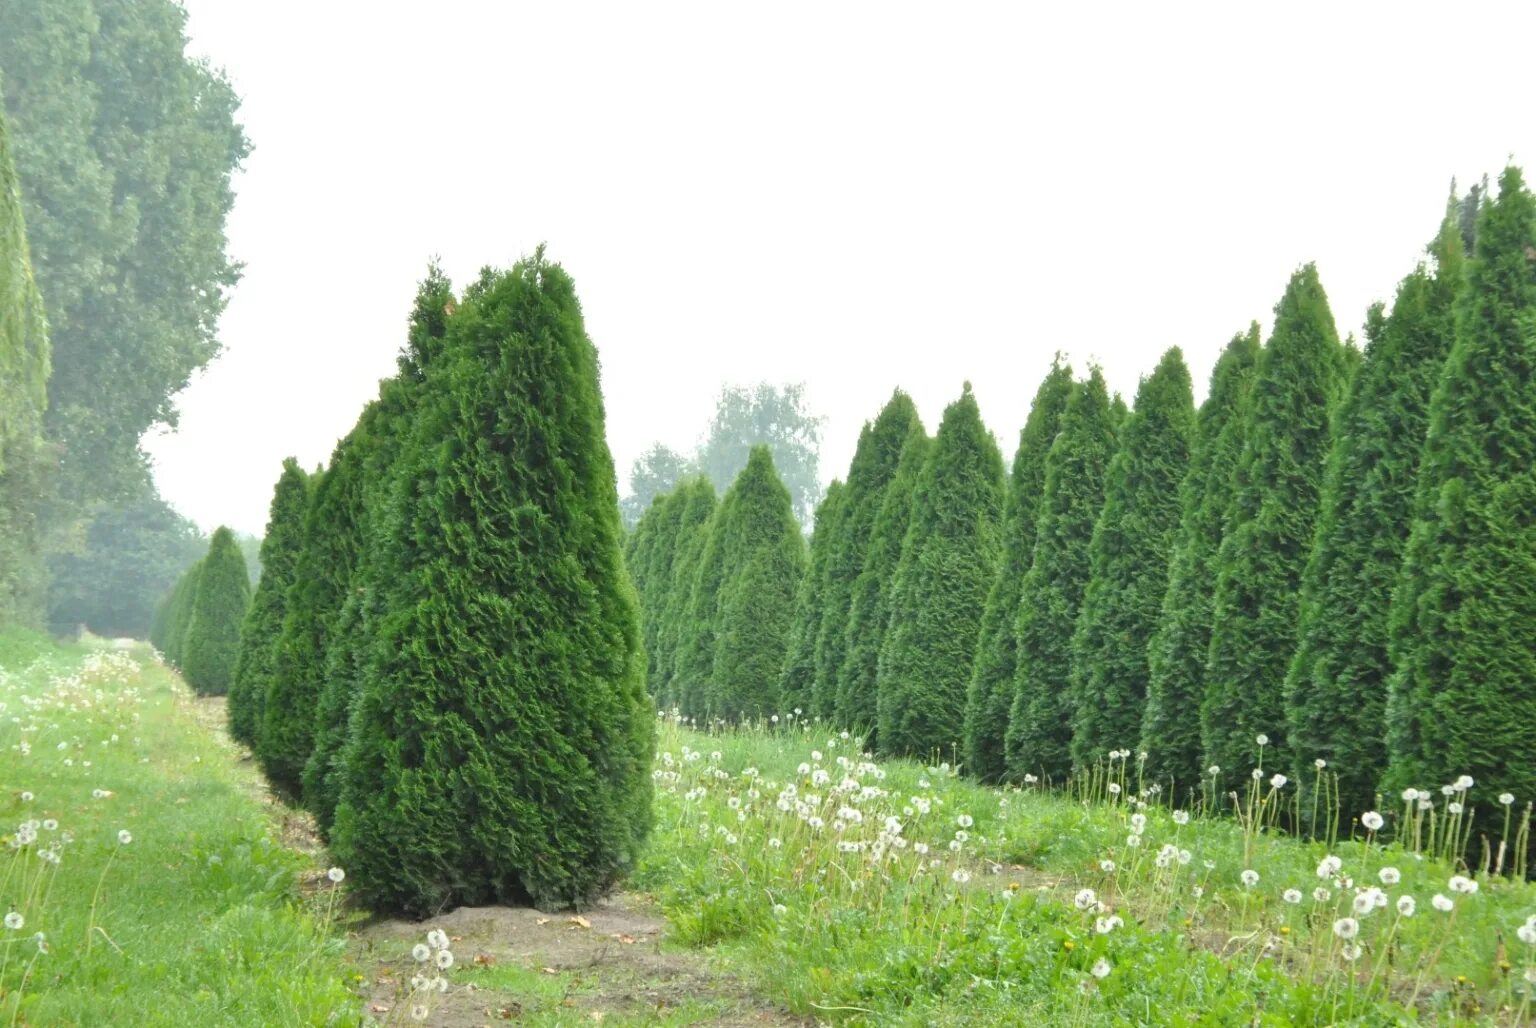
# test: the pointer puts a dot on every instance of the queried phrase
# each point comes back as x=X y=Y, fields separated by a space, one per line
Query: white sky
x=859 y=196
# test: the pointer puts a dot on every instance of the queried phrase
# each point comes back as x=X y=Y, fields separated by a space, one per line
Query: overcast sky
x=859 y=196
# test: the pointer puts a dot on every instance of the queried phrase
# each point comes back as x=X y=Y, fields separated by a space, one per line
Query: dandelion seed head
x=421 y=952
x=1350 y=951
x=1101 y=968
x=1249 y=877
x=124 y=837
x=1506 y=798
x=1262 y=739
x=1389 y=875
x=1181 y=817
x=1278 y=782
x=336 y=874
x=1292 y=896
x=1442 y=903
x=1406 y=905
x=14 y=921
x=1371 y=820
x=1346 y=928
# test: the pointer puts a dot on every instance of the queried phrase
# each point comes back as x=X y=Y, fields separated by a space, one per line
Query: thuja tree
x=378 y=439
x=1463 y=655
x=692 y=536
x=218 y=609
x=257 y=660
x=1176 y=654
x=1128 y=560
x=764 y=559
x=1301 y=376
x=992 y=679
x=501 y=743
x=652 y=545
x=947 y=565
x=1336 y=690
x=170 y=621
x=797 y=682
x=869 y=476
x=869 y=608
x=1039 y=720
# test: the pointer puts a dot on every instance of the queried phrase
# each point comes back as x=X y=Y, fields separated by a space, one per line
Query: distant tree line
x=1334 y=552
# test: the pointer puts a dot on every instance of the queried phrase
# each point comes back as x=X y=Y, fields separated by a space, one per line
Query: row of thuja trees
x=197 y=625
x=443 y=658
x=1336 y=552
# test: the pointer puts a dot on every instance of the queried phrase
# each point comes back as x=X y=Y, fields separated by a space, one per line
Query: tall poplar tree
x=1039 y=721
x=1463 y=656
x=1336 y=690
x=992 y=680
x=1128 y=559
x=1177 y=652
x=947 y=565
x=1301 y=378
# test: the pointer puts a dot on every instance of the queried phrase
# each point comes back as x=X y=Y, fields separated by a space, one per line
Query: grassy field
x=141 y=877
x=893 y=893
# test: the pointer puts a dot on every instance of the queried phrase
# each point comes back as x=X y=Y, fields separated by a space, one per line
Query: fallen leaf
x=580 y=922
x=628 y=940
x=543 y=920
x=379 y=1008
x=551 y=970
x=484 y=960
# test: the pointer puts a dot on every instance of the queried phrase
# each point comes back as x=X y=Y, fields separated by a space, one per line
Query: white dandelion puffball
x=1105 y=925
x=421 y=952
x=1406 y=905
x=1258 y=774
x=1389 y=876
x=1321 y=894
x=1346 y=928
x=1101 y=968
x=1291 y=896
x=1114 y=788
x=960 y=875
x=1213 y=770
x=1278 y=782
x=444 y=960
x=1527 y=933
x=1181 y=817
x=1197 y=891
x=1351 y=951
x=1250 y=877
x=336 y=874
x=1320 y=763
x=1329 y=867
x=1462 y=884
x=964 y=821
x=1138 y=823
x=1463 y=783
x=779 y=910
x=1364 y=903
x=14 y=921
x=1133 y=840
x=1262 y=739
x=1372 y=820
x=1107 y=866
x=1409 y=795
x=1454 y=807
x=1085 y=899
x=1506 y=798
x=124 y=837
x=437 y=939
x=419 y=1012
x=1442 y=903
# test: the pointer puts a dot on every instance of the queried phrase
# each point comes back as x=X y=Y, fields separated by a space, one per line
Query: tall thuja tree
x=218 y=610
x=797 y=682
x=257 y=661
x=179 y=614
x=1039 y=720
x=869 y=609
x=501 y=745
x=655 y=543
x=1128 y=560
x=764 y=560
x=1301 y=377
x=1460 y=699
x=869 y=476
x=1176 y=654
x=692 y=536
x=1336 y=690
x=992 y=680
x=24 y=368
x=947 y=565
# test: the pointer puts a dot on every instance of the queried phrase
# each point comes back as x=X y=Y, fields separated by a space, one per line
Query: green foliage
x=1177 y=652
x=771 y=416
x=869 y=476
x=1463 y=656
x=125 y=146
x=655 y=547
x=992 y=681
x=169 y=629
x=256 y=665
x=763 y=560
x=1128 y=560
x=130 y=556
x=24 y=369
x=675 y=584
x=798 y=680
x=1039 y=720
x=1301 y=378
x=869 y=608
x=655 y=472
x=219 y=606
x=501 y=742
x=1336 y=691
x=948 y=561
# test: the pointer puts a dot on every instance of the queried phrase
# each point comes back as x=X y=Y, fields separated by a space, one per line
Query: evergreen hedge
x=216 y=612
x=797 y=683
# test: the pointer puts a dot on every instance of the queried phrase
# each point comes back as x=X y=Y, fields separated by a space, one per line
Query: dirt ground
x=609 y=965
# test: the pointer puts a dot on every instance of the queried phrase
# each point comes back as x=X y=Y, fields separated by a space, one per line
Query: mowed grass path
x=194 y=916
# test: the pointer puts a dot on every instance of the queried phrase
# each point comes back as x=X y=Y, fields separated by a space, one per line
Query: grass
x=803 y=862
x=197 y=918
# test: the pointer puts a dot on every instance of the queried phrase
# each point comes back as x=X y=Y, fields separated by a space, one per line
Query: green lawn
x=170 y=901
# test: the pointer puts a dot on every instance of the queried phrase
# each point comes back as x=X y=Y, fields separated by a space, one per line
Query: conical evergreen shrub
x=992 y=680
x=1336 y=690
x=1464 y=657
x=180 y=615
x=501 y=745
x=869 y=609
x=692 y=536
x=1128 y=559
x=1301 y=377
x=653 y=575
x=947 y=565
x=257 y=661
x=797 y=683
x=1177 y=652
x=764 y=559
x=218 y=609
x=1039 y=721
x=869 y=476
